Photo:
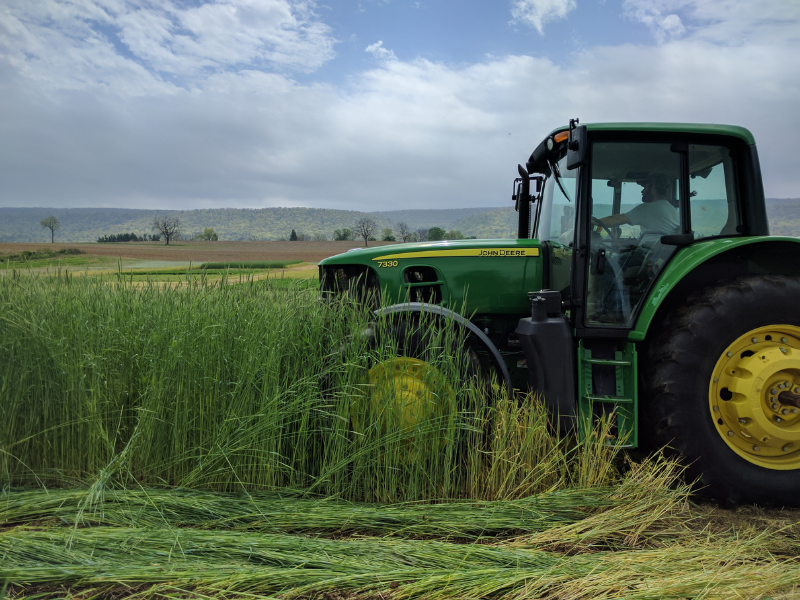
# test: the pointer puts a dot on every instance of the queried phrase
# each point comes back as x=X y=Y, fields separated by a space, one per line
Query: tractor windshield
x=556 y=220
x=555 y=225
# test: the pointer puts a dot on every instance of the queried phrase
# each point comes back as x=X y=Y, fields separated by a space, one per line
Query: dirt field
x=197 y=252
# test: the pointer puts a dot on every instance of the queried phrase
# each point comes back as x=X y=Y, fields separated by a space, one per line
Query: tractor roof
x=700 y=128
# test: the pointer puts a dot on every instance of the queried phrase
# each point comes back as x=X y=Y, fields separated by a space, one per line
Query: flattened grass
x=184 y=544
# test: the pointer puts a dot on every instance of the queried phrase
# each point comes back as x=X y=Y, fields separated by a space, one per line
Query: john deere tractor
x=643 y=284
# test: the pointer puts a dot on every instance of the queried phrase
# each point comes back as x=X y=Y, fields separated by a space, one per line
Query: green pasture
x=223 y=441
x=47 y=258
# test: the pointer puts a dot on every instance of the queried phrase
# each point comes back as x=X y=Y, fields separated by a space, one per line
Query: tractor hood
x=486 y=275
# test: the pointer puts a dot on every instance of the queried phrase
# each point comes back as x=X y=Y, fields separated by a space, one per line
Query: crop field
x=224 y=441
x=179 y=263
x=144 y=253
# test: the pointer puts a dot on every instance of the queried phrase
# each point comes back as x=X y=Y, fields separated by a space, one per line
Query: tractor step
x=613 y=399
x=602 y=361
x=596 y=399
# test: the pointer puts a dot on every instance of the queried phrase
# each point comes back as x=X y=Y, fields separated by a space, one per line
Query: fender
x=689 y=259
x=419 y=307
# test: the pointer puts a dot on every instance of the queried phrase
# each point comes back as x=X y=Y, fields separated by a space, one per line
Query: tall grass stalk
x=255 y=387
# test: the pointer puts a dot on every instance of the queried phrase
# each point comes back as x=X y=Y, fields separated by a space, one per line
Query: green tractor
x=642 y=284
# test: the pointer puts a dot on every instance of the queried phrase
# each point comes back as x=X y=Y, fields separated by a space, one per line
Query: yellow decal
x=463 y=252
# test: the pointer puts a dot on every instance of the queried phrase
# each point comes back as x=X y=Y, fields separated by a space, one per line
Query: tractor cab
x=613 y=213
x=618 y=204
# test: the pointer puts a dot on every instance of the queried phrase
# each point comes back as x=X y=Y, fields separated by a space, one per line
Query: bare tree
x=422 y=234
x=52 y=224
x=365 y=228
x=404 y=230
x=168 y=227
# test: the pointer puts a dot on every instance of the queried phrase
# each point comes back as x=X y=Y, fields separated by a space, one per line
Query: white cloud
x=725 y=22
x=84 y=125
x=55 y=39
x=538 y=12
x=657 y=15
x=378 y=51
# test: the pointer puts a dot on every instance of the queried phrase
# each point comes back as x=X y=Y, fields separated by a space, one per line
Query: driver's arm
x=616 y=220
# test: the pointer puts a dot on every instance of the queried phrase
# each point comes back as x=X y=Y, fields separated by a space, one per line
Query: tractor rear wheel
x=722 y=388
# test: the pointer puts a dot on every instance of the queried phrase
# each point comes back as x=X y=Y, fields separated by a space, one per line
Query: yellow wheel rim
x=754 y=396
x=404 y=392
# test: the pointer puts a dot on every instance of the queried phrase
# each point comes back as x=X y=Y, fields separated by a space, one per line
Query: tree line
x=128 y=237
x=367 y=229
x=168 y=228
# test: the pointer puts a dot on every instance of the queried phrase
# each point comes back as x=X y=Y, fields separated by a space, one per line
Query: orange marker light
x=560 y=137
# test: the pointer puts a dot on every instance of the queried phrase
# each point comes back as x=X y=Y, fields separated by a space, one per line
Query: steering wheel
x=598 y=223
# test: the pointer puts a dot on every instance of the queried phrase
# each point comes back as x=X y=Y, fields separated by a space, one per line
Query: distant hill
x=498 y=223
x=446 y=218
x=87 y=224
x=784 y=216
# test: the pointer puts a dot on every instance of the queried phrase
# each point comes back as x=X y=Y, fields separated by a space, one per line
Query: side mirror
x=577 y=146
x=524 y=189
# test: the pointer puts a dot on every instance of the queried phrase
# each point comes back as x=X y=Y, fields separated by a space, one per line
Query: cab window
x=634 y=200
x=712 y=197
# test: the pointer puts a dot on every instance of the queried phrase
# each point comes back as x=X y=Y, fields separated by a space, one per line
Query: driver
x=655 y=214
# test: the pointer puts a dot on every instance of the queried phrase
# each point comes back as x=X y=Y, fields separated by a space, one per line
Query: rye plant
x=258 y=386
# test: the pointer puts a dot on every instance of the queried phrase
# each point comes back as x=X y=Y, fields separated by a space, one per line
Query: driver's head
x=654 y=187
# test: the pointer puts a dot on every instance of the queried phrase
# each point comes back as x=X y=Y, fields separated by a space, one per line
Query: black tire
x=680 y=390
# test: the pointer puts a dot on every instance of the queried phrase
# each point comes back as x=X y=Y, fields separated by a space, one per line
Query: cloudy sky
x=365 y=104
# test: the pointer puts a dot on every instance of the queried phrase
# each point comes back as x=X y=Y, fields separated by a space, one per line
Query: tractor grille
x=419 y=290
x=359 y=282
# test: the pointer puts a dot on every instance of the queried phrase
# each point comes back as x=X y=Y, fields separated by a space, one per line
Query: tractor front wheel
x=722 y=388
x=410 y=382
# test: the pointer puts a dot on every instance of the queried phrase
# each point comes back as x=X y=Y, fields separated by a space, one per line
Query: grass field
x=221 y=441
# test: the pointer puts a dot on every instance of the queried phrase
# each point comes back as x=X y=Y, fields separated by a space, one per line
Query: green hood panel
x=488 y=276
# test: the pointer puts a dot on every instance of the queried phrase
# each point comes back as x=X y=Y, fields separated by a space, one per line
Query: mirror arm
x=524 y=203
